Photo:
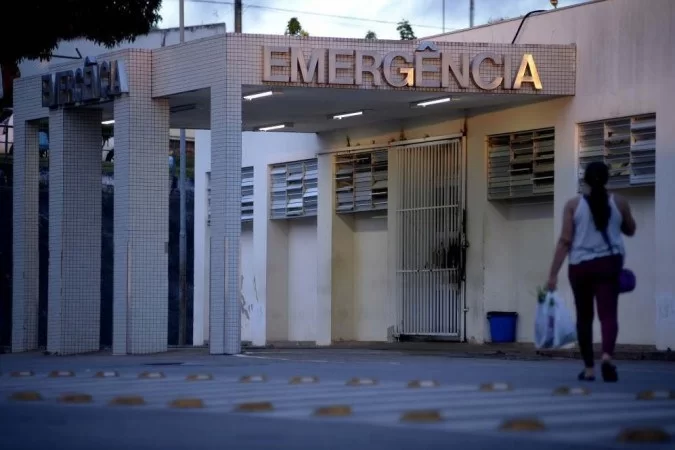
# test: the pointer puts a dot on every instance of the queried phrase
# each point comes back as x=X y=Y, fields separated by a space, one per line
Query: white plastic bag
x=553 y=325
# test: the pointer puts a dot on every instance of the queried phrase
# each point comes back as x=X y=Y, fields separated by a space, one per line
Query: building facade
x=421 y=188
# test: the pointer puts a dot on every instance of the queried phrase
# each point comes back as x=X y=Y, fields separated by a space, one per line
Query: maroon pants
x=599 y=279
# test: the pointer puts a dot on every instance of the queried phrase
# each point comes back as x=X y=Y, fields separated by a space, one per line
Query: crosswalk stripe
x=597 y=417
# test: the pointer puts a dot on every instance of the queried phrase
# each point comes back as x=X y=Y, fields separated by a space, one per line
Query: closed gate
x=430 y=224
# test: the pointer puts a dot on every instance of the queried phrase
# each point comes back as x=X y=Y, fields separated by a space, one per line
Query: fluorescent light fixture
x=433 y=102
x=107 y=122
x=345 y=115
x=273 y=127
x=258 y=95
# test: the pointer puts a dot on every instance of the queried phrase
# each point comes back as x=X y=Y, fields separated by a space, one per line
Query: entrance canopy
x=306 y=85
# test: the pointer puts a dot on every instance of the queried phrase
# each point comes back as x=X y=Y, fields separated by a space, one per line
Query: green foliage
x=293 y=28
x=371 y=35
x=405 y=30
x=39 y=25
x=34 y=28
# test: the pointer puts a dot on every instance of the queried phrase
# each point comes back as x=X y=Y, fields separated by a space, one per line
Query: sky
x=350 y=18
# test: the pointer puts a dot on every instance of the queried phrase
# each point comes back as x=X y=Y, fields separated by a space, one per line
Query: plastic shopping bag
x=553 y=325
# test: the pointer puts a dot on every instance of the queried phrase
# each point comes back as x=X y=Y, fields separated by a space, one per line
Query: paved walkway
x=474 y=397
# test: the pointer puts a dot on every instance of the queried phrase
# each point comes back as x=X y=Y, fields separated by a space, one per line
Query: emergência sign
x=92 y=83
x=347 y=67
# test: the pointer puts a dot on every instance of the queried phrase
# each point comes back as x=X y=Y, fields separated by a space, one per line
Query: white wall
x=625 y=64
x=511 y=245
x=278 y=290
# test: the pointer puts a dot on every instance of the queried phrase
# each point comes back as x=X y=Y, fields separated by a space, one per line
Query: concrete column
x=200 y=321
x=324 y=241
x=260 y=235
x=277 y=320
x=664 y=210
x=226 y=141
x=26 y=263
x=74 y=231
x=393 y=311
x=141 y=288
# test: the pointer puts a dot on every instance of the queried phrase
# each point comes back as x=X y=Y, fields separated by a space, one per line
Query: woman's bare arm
x=628 y=225
x=566 y=236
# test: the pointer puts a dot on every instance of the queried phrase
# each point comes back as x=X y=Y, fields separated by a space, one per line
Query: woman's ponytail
x=596 y=177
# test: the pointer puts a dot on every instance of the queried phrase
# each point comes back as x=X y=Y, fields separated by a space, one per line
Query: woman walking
x=591 y=239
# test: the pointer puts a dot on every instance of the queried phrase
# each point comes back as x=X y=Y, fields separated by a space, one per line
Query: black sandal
x=582 y=377
x=609 y=373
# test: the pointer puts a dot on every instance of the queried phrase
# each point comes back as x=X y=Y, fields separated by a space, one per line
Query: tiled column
x=141 y=288
x=74 y=231
x=225 y=315
x=26 y=264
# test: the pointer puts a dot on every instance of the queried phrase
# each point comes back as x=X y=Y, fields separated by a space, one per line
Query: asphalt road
x=463 y=416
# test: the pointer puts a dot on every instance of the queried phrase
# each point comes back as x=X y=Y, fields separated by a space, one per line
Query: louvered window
x=521 y=164
x=294 y=189
x=208 y=199
x=361 y=181
x=627 y=145
x=247 y=194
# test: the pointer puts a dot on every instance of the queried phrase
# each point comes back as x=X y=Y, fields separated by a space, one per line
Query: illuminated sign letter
x=372 y=67
x=527 y=63
x=409 y=72
x=449 y=66
x=316 y=66
x=421 y=69
x=270 y=62
x=334 y=66
x=475 y=71
x=48 y=98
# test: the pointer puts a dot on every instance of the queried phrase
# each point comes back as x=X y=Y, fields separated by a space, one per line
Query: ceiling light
x=273 y=127
x=258 y=95
x=345 y=115
x=107 y=122
x=433 y=102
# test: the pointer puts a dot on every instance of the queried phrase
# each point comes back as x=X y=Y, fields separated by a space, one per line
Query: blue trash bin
x=503 y=326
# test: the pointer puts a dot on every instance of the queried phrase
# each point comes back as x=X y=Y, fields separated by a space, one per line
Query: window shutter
x=361 y=181
x=295 y=189
x=521 y=164
x=627 y=145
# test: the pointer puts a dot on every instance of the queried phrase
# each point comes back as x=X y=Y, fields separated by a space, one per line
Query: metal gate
x=431 y=239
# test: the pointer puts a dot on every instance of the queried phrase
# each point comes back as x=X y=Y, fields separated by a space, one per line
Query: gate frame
x=395 y=332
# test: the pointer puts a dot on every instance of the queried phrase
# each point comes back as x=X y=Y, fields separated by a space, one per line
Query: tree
x=371 y=35
x=37 y=27
x=405 y=30
x=293 y=28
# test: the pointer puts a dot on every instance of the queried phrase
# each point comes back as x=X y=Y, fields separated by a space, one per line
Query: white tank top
x=588 y=242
